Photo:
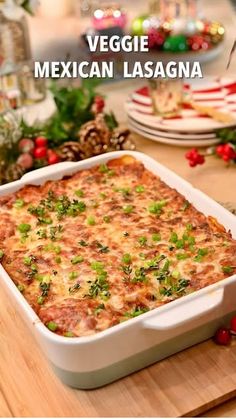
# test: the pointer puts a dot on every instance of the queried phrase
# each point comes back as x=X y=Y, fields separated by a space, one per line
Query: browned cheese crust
x=108 y=244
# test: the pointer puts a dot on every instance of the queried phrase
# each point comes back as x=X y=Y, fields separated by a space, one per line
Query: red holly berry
x=98 y=104
x=194 y=157
x=226 y=152
x=40 y=152
x=41 y=142
x=233 y=325
x=53 y=157
x=25 y=160
x=222 y=336
x=26 y=145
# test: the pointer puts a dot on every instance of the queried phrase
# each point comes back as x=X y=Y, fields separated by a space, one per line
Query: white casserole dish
x=93 y=361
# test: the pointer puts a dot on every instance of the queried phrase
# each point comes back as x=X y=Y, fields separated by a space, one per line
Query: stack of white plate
x=189 y=128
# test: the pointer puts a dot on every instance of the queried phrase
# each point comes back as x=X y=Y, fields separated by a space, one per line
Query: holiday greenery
x=78 y=129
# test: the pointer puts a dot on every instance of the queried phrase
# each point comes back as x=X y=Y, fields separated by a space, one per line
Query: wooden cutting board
x=186 y=384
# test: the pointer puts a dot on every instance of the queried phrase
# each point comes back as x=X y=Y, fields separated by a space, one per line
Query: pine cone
x=121 y=140
x=69 y=151
x=13 y=172
x=94 y=137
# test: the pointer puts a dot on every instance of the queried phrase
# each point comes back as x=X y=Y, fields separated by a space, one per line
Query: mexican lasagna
x=106 y=245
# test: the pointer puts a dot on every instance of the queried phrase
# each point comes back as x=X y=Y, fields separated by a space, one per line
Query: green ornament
x=137 y=26
x=176 y=43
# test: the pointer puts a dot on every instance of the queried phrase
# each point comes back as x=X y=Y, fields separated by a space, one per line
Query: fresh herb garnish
x=128 y=209
x=200 y=254
x=142 y=240
x=107 y=219
x=1 y=254
x=156 y=237
x=24 y=228
x=74 y=288
x=77 y=259
x=227 y=269
x=140 y=188
x=83 y=243
x=52 y=326
x=126 y=258
x=73 y=275
x=156 y=207
x=91 y=221
x=102 y=248
x=19 y=203
x=79 y=193
x=185 y=206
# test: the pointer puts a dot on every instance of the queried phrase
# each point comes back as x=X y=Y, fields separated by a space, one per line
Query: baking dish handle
x=186 y=312
x=47 y=171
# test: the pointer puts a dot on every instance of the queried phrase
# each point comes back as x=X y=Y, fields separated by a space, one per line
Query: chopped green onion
x=79 y=193
x=107 y=219
x=73 y=275
x=126 y=258
x=21 y=287
x=1 y=254
x=19 y=203
x=58 y=259
x=52 y=326
x=156 y=237
x=173 y=237
x=227 y=269
x=77 y=259
x=142 y=240
x=69 y=334
x=128 y=209
x=182 y=256
x=140 y=188
x=156 y=207
x=27 y=260
x=40 y=300
x=91 y=221
x=24 y=228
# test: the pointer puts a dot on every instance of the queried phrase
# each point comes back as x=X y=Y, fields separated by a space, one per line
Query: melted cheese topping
x=108 y=244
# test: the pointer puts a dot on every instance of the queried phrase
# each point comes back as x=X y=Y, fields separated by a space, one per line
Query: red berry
x=99 y=104
x=25 y=160
x=41 y=142
x=53 y=157
x=40 y=152
x=222 y=336
x=233 y=324
x=26 y=145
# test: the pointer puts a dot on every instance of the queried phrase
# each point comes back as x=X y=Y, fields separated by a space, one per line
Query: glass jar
x=14 y=37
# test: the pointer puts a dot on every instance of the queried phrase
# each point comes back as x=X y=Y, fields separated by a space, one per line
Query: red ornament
x=53 y=157
x=41 y=142
x=40 y=152
x=194 y=157
x=198 y=42
x=222 y=336
x=25 y=160
x=156 y=38
x=26 y=145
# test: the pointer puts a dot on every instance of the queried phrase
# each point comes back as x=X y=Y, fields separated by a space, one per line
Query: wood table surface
x=28 y=387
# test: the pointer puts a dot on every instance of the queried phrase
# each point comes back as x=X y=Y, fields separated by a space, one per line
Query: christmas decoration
x=78 y=130
x=180 y=33
x=109 y=15
x=222 y=336
x=69 y=151
x=226 y=150
x=94 y=137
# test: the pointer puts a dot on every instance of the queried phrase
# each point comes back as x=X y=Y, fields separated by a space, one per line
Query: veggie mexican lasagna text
x=108 y=244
